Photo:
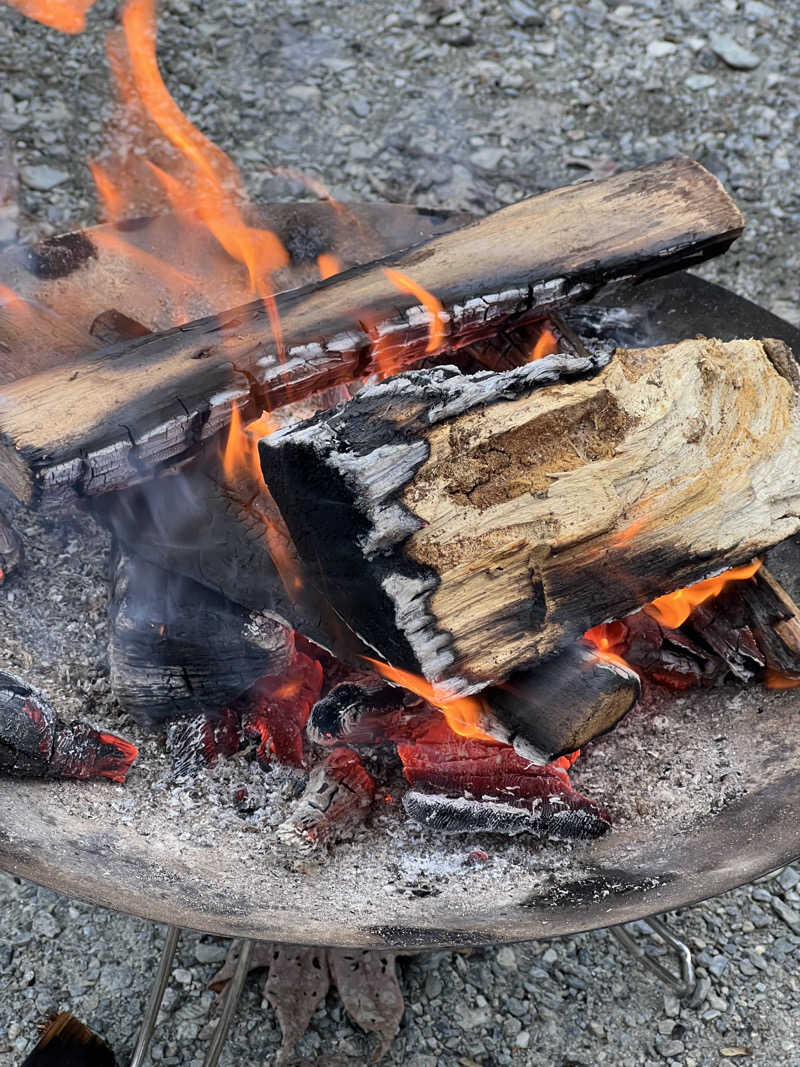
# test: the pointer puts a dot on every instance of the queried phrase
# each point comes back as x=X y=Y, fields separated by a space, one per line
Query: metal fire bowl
x=625 y=876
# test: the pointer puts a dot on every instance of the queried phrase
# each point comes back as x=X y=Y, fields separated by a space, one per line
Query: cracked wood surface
x=107 y=418
x=465 y=527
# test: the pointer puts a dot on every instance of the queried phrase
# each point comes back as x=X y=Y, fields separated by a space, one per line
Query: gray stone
x=506 y=957
x=660 y=49
x=668 y=1048
x=731 y=52
x=42 y=177
x=525 y=15
x=786 y=914
x=697 y=82
x=718 y=966
x=789 y=877
x=210 y=952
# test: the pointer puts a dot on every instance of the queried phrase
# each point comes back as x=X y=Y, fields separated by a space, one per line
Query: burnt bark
x=108 y=418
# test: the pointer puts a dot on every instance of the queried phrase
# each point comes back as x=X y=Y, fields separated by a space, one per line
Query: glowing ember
x=775 y=680
x=428 y=301
x=675 y=608
x=546 y=345
x=69 y=16
x=609 y=640
x=463 y=714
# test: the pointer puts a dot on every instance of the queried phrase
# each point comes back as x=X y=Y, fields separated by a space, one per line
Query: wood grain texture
x=104 y=420
x=466 y=527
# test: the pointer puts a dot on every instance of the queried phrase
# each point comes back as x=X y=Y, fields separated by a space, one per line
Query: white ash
x=667 y=765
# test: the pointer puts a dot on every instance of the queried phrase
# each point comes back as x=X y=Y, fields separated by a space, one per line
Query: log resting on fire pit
x=466 y=527
x=106 y=419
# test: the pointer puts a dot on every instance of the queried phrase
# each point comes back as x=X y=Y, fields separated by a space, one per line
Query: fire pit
x=704 y=782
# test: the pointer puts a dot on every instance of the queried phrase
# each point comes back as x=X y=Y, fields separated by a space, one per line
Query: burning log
x=106 y=419
x=466 y=527
x=177 y=649
x=35 y=742
x=464 y=784
x=275 y=710
x=667 y=656
x=338 y=796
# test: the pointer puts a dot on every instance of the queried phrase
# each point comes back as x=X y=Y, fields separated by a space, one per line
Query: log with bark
x=466 y=527
x=107 y=418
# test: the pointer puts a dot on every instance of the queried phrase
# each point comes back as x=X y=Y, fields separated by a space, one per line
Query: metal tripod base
x=683 y=984
x=232 y=998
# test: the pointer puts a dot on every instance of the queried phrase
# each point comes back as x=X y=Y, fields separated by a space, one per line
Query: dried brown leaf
x=737 y=1051
x=298 y=981
x=368 y=986
x=260 y=956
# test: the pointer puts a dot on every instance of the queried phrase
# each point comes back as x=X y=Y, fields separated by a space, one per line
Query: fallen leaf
x=368 y=987
x=298 y=981
x=260 y=956
x=730 y=1052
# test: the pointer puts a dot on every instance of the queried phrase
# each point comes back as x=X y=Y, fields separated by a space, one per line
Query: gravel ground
x=467 y=105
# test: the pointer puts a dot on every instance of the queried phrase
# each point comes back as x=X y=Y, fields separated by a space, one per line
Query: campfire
x=377 y=512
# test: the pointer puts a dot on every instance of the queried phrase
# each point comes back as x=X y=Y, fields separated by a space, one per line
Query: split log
x=466 y=527
x=107 y=418
x=177 y=649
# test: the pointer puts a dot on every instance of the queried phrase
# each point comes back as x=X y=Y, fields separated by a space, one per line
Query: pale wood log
x=106 y=419
x=466 y=527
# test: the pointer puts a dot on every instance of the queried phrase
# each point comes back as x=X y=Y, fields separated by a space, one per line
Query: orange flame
x=546 y=345
x=428 y=301
x=240 y=456
x=674 y=609
x=775 y=680
x=328 y=265
x=211 y=191
x=463 y=714
x=608 y=639
x=69 y=16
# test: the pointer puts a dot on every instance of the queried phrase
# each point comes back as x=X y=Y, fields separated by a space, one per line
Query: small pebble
x=731 y=52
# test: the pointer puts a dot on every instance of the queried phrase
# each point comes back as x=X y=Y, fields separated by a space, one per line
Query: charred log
x=561 y=705
x=466 y=527
x=550 y=817
x=177 y=649
x=108 y=418
x=35 y=742
x=338 y=797
x=199 y=741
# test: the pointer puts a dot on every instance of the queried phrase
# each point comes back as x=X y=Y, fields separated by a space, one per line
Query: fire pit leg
x=156 y=996
x=682 y=985
x=231 y=1001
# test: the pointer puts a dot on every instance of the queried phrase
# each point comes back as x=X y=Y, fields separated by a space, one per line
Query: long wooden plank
x=105 y=420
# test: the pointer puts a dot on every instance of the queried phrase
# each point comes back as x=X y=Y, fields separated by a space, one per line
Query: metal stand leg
x=682 y=985
x=231 y=1001
x=156 y=996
